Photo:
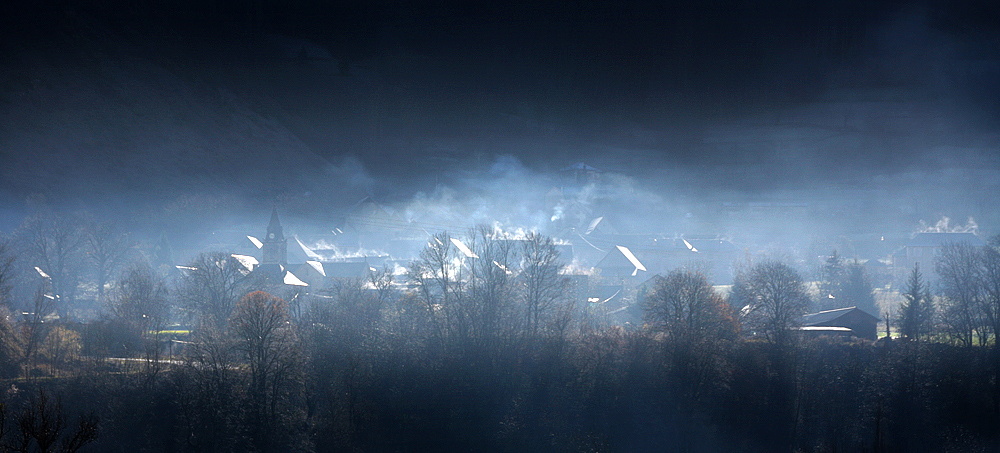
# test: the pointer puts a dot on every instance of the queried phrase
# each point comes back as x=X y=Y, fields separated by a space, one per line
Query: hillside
x=86 y=113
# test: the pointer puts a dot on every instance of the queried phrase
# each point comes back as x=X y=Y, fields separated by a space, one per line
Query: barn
x=861 y=323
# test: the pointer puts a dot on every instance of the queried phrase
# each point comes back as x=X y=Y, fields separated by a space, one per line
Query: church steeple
x=275 y=249
x=274 y=231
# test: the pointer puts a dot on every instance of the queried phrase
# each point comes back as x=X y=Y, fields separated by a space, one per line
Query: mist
x=873 y=117
x=774 y=131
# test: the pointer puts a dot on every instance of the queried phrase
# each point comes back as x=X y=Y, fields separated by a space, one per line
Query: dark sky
x=264 y=98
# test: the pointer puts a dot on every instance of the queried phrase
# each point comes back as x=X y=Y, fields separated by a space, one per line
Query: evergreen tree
x=916 y=314
x=845 y=285
x=830 y=282
x=857 y=290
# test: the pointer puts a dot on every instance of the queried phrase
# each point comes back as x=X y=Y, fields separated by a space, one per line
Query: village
x=357 y=306
x=610 y=269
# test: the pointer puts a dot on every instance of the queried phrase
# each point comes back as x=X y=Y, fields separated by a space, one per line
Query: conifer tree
x=916 y=314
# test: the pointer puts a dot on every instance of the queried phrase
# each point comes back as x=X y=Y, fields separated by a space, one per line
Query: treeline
x=609 y=390
x=483 y=344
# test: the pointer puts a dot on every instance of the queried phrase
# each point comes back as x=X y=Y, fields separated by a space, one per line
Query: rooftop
x=829 y=315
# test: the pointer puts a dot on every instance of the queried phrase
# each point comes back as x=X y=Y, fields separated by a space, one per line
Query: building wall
x=864 y=326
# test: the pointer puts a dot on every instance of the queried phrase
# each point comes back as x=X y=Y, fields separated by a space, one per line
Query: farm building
x=861 y=323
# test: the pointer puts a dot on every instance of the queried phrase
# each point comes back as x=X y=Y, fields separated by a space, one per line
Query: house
x=580 y=173
x=620 y=263
x=599 y=226
x=923 y=249
x=832 y=322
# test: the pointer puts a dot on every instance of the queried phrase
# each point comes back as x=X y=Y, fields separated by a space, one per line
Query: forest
x=480 y=345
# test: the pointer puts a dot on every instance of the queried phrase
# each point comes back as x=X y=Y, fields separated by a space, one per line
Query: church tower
x=275 y=249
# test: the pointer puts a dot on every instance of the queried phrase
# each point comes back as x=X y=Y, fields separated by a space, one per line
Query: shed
x=861 y=323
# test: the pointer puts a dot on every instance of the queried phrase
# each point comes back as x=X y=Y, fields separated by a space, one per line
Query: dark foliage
x=366 y=366
x=606 y=390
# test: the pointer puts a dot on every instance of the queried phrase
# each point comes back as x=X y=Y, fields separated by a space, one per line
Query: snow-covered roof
x=632 y=259
x=464 y=248
x=291 y=279
x=829 y=315
x=318 y=266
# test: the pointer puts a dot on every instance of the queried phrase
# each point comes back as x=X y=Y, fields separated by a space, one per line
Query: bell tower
x=275 y=248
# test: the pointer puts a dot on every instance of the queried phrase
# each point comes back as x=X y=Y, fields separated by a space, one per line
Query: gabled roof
x=631 y=258
x=601 y=225
x=271 y=271
x=300 y=253
x=940 y=239
x=318 y=266
x=246 y=260
x=621 y=257
x=276 y=272
x=256 y=242
x=291 y=280
x=830 y=315
x=874 y=263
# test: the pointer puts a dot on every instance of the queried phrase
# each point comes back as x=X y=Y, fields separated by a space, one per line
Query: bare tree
x=33 y=327
x=40 y=427
x=960 y=272
x=774 y=298
x=8 y=258
x=265 y=336
x=10 y=347
x=436 y=277
x=344 y=343
x=107 y=249
x=213 y=410
x=139 y=301
x=140 y=297
x=61 y=345
x=211 y=285
x=685 y=306
x=542 y=288
x=383 y=282
x=991 y=309
x=990 y=300
x=212 y=354
x=488 y=303
x=696 y=323
x=53 y=243
x=484 y=291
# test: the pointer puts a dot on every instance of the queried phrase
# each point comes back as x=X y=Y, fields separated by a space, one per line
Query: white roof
x=311 y=255
x=824 y=329
x=291 y=279
x=464 y=248
x=246 y=260
x=631 y=258
x=318 y=266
